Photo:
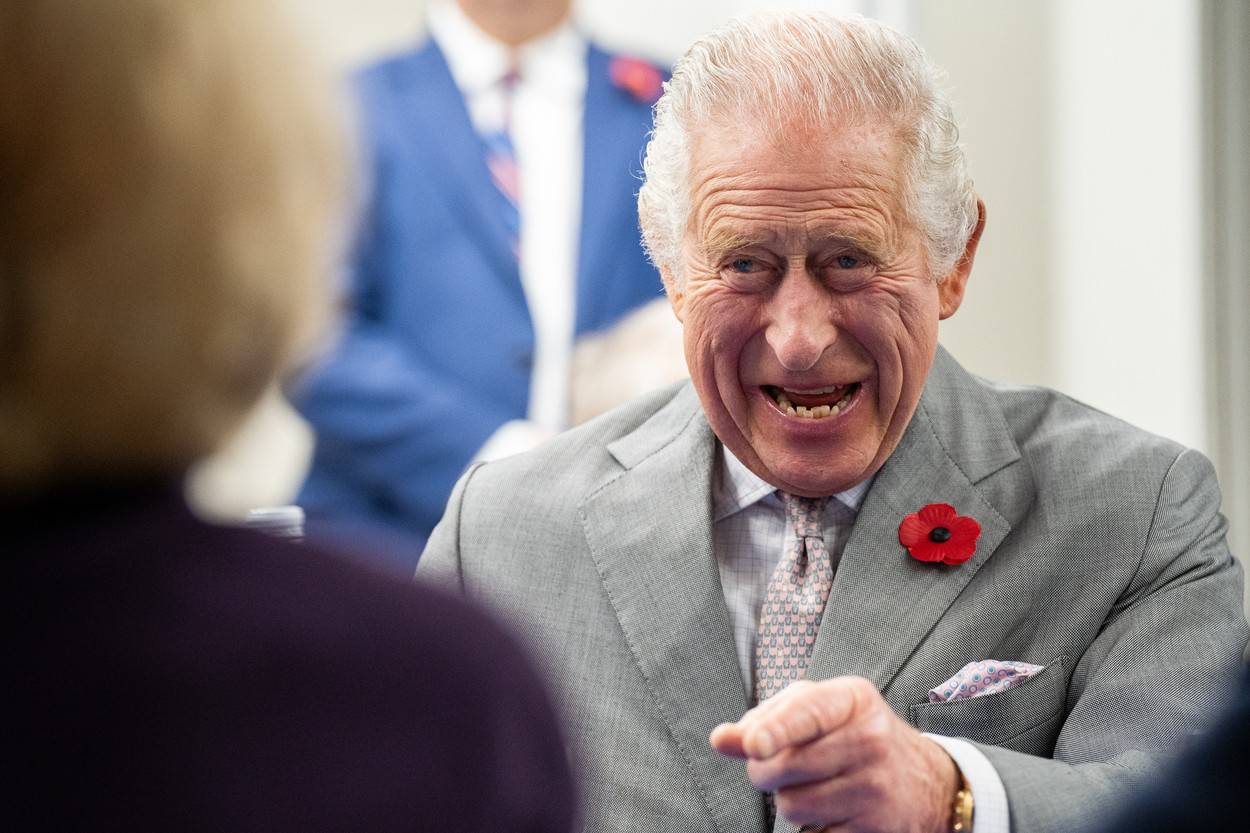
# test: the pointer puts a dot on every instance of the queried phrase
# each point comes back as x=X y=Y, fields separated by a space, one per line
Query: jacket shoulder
x=576 y=461
x=1065 y=438
x=393 y=68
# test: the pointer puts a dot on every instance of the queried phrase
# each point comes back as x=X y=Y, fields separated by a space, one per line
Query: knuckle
x=773 y=772
x=795 y=806
x=760 y=773
x=878 y=727
x=876 y=785
x=810 y=713
x=861 y=685
x=862 y=694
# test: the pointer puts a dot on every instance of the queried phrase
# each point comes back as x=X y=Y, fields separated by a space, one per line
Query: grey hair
x=812 y=69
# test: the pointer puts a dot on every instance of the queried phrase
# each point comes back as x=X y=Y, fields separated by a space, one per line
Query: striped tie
x=501 y=161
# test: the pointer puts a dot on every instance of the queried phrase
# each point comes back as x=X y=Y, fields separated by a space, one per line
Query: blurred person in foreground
x=908 y=598
x=501 y=227
x=1205 y=791
x=173 y=175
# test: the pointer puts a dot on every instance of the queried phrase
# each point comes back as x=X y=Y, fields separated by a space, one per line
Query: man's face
x=810 y=315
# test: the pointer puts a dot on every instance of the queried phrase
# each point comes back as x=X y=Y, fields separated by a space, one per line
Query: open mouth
x=813 y=403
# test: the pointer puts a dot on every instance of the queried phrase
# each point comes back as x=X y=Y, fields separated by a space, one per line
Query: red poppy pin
x=636 y=77
x=938 y=534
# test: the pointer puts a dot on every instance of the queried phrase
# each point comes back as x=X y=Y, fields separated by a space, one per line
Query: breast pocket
x=1026 y=718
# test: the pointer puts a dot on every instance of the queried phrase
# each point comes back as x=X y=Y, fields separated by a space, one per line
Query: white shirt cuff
x=989 y=799
x=513 y=437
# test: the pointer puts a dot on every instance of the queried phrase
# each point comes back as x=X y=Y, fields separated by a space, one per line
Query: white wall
x=1127 y=198
x=1082 y=125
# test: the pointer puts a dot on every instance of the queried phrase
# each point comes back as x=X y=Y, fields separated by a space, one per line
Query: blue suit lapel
x=614 y=124
x=450 y=149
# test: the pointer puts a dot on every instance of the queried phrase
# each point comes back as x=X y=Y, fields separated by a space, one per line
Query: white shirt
x=547 y=107
x=749 y=532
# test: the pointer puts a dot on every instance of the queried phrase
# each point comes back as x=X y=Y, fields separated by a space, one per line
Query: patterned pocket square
x=988 y=676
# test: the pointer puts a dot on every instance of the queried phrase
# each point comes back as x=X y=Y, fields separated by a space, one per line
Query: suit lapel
x=601 y=137
x=884 y=602
x=452 y=154
x=613 y=126
x=650 y=534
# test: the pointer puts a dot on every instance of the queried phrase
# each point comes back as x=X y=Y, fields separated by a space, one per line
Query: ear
x=951 y=289
x=676 y=297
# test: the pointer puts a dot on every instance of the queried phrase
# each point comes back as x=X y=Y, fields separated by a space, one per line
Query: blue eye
x=847 y=262
x=743 y=265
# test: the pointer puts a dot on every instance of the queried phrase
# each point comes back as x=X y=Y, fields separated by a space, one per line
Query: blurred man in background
x=501 y=225
x=174 y=176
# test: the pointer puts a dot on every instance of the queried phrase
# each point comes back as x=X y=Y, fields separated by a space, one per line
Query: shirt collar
x=736 y=487
x=478 y=62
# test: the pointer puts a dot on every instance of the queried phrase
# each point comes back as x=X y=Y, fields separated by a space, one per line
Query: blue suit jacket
x=438 y=346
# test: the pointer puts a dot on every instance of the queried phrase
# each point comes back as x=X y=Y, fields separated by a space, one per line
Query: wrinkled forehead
x=737 y=137
x=803 y=167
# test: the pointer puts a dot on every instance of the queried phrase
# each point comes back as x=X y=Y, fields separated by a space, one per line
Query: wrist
x=947 y=782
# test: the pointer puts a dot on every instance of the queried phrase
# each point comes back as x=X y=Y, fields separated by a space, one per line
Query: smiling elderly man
x=904 y=595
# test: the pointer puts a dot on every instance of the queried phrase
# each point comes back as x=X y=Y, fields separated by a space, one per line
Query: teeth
x=815 y=391
x=817 y=412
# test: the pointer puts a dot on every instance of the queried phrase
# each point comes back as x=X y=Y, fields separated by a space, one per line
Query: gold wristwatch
x=961 y=810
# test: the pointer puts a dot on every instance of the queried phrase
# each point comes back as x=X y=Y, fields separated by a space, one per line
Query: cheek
x=718 y=323
x=894 y=327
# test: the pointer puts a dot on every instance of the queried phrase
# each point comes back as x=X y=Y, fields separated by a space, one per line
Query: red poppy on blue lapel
x=637 y=77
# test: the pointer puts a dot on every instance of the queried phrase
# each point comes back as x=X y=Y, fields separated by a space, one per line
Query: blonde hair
x=817 y=70
x=174 y=176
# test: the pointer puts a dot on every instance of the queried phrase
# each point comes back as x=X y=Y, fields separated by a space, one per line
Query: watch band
x=962 y=809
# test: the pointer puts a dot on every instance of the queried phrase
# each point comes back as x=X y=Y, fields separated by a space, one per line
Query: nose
x=800 y=326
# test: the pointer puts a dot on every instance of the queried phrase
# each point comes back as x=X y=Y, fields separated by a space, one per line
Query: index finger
x=727 y=740
x=805 y=714
x=727 y=737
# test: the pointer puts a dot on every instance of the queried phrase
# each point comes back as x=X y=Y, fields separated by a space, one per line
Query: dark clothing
x=165 y=674
x=1206 y=790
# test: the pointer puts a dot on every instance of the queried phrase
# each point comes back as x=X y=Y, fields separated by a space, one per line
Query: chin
x=823 y=486
x=807 y=473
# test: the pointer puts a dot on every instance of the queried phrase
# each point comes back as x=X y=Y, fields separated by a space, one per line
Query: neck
x=515 y=22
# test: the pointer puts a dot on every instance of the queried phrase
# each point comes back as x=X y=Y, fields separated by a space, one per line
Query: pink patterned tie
x=796 y=597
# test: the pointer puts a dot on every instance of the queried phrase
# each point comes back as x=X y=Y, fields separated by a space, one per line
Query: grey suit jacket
x=1102 y=557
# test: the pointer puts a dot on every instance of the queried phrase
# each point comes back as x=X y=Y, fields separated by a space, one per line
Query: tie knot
x=804 y=514
x=511 y=76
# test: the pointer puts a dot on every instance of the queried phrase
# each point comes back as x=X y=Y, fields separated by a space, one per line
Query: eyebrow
x=879 y=250
x=726 y=240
